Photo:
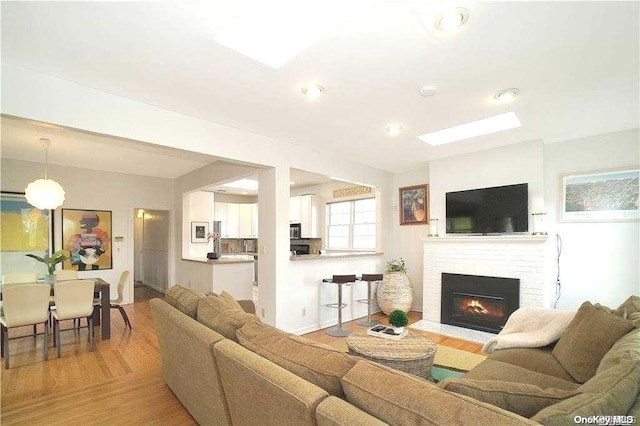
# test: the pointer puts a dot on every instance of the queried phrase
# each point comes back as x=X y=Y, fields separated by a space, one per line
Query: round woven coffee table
x=412 y=354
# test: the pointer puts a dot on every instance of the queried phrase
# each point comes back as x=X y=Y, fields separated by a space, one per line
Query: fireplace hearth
x=478 y=302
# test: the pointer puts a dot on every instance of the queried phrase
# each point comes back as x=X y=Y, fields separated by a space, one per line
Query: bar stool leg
x=338 y=331
x=369 y=301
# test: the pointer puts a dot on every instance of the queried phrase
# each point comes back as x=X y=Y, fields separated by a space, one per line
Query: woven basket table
x=412 y=354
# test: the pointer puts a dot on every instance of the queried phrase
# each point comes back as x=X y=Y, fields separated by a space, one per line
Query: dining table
x=101 y=316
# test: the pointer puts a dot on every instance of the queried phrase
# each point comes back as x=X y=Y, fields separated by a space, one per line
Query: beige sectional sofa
x=227 y=367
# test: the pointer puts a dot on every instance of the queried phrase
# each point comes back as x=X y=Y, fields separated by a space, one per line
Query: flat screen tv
x=496 y=210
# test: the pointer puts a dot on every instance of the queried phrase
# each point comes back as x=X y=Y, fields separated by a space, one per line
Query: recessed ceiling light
x=452 y=19
x=427 y=91
x=313 y=91
x=249 y=184
x=506 y=95
x=394 y=128
x=291 y=182
x=485 y=126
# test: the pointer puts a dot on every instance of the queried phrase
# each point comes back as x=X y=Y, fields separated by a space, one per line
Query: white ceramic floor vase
x=395 y=292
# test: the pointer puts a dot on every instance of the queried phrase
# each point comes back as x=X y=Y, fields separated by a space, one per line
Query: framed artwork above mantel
x=414 y=205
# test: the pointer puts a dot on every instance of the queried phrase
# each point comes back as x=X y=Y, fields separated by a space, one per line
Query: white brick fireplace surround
x=519 y=256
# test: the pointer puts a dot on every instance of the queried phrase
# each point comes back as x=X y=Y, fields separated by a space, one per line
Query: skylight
x=248 y=184
x=274 y=32
x=486 y=126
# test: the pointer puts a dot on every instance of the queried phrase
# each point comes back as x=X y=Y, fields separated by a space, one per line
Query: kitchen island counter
x=333 y=256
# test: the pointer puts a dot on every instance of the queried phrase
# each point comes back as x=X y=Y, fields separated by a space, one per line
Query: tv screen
x=496 y=210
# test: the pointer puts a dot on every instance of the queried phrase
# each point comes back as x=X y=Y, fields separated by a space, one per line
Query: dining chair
x=73 y=300
x=117 y=303
x=66 y=274
x=19 y=278
x=24 y=304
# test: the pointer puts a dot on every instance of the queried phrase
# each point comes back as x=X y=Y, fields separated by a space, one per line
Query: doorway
x=151 y=253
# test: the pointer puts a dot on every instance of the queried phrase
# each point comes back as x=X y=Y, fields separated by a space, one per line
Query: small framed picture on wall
x=414 y=205
x=199 y=232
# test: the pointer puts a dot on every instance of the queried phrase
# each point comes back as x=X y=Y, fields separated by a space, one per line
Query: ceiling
x=576 y=65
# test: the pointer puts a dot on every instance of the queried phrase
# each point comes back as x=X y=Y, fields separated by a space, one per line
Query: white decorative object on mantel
x=395 y=292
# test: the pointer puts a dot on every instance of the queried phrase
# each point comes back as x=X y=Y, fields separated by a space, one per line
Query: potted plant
x=396 y=291
x=398 y=320
x=51 y=262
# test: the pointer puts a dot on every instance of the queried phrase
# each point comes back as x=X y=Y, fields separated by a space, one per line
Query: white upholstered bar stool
x=369 y=278
x=341 y=280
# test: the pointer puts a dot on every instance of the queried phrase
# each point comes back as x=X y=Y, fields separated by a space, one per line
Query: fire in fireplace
x=478 y=302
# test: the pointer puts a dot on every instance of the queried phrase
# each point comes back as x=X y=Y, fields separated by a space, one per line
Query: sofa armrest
x=248 y=306
x=334 y=411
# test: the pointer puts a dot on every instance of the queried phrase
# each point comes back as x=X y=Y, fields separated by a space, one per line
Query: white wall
x=96 y=190
x=599 y=260
x=406 y=241
x=199 y=208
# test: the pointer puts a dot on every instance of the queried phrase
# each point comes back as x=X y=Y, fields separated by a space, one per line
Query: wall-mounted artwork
x=25 y=230
x=87 y=236
x=199 y=232
x=414 y=205
x=600 y=196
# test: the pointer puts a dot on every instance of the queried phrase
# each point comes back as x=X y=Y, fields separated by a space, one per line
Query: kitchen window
x=351 y=225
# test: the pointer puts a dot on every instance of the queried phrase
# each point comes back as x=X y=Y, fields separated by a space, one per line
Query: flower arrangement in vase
x=396 y=291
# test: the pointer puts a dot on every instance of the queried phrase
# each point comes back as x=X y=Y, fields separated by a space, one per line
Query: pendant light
x=45 y=193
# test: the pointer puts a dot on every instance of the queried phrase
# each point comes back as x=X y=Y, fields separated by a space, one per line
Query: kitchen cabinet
x=303 y=209
x=245 y=221
x=237 y=220
x=294 y=210
x=220 y=213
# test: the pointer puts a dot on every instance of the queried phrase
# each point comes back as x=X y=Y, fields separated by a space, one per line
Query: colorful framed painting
x=199 y=232
x=601 y=196
x=414 y=205
x=87 y=236
x=25 y=230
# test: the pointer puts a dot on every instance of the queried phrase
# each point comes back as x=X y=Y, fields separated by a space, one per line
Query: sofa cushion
x=261 y=393
x=402 y=399
x=519 y=398
x=540 y=360
x=216 y=314
x=490 y=369
x=625 y=349
x=631 y=305
x=320 y=364
x=184 y=299
x=620 y=312
x=231 y=301
x=588 y=337
x=609 y=393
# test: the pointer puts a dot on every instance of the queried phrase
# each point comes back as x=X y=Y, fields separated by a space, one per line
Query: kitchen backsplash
x=237 y=245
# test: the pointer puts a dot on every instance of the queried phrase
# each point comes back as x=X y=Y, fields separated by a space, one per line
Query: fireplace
x=478 y=302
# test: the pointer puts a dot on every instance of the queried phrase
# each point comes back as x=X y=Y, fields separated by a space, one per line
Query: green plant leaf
x=38 y=258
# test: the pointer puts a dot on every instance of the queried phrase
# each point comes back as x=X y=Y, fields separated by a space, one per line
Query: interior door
x=155 y=249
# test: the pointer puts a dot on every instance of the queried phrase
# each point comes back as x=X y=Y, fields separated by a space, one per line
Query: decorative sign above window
x=349 y=192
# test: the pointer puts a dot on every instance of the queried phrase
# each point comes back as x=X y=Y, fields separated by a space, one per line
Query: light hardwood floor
x=119 y=382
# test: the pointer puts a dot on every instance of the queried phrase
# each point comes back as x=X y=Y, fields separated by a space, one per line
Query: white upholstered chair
x=73 y=300
x=117 y=303
x=66 y=274
x=19 y=278
x=24 y=304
